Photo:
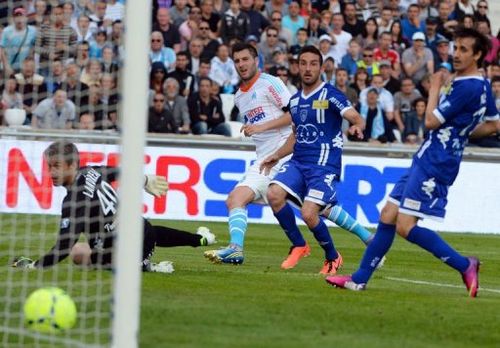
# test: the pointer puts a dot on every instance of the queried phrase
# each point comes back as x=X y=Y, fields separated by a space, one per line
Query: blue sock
x=374 y=252
x=324 y=239
x=342 y=218
x=237 y=225
x=433 y=243
x=286 y=218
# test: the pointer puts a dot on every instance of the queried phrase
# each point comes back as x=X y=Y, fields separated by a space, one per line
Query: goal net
x=65 y=77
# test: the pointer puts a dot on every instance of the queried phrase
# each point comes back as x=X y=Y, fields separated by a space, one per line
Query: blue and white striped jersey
x=318 y=127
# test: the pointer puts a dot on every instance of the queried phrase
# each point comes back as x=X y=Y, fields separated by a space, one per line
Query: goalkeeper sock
x=433 y=243
x=286 y=219
x=324 y=239
x=342 y=218
x=170 y=237
x=237 y=226
x=374 y=252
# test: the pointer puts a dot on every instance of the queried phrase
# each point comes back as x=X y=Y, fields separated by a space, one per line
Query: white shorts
x=258 y=182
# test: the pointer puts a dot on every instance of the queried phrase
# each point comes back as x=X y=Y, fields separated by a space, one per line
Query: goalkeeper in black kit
x=90 y=207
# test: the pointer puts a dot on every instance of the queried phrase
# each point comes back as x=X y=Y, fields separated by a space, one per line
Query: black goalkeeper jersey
x=89 y=207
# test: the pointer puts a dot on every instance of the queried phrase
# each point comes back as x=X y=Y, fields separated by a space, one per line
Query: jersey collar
x=250 y=83
x=313 y=92
x=475 y=77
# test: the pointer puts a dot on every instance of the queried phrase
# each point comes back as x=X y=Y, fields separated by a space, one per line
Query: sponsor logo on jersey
x=320 y=104
x=306 y=133
x=316 y=194
x=255 y=115
x=444 y=135
x=429 y=186
x=275 y=95
x=338 y=142
x=65 y=223
x=294 y=102
x=341 y=106
x=411 y=204
x=329 y=179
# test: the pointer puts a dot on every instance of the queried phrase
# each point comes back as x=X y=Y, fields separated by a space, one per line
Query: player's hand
x=268 y=163
x=356 y=131
x=437 y=79
x=155 y=185
x=251 y=129
x=23 y=262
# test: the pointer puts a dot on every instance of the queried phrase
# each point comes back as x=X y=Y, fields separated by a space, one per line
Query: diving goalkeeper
x=90 y=207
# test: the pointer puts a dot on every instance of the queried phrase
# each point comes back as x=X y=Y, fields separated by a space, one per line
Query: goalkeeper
x=90 y=207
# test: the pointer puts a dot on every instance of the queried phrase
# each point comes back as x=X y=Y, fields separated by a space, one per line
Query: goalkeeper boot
x=330 y=267
x=233 y=253
x=471 y=276
x=345 y=282
x=207 y=237
x=294 y=255
x=160 y=267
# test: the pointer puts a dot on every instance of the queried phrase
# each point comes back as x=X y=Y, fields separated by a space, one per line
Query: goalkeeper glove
x=155 y=185
x=23 y=262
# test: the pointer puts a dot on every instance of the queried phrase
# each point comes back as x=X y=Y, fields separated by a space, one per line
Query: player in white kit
x=262 y=99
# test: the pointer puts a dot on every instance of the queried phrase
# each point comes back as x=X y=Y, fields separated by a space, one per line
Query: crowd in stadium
x=61 y=60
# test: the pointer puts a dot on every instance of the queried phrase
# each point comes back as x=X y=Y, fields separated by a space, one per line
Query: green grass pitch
x=259 y=305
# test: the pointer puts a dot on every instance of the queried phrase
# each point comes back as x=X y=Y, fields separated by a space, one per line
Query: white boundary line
x=423 y=282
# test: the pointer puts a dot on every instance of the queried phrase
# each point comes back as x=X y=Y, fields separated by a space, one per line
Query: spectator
x=209 y=15
x=30 y=85
x=206 y=112
x=328 y=75
x=85 y=29
x=11 y=99
x=203 y=71
x=82 y=54
x=314 y=31
x=432 y=36
x=189 y=28
x=160 y=53
x=279 y=58
x=40 y=15
x=285 y=36
x=179 y=12
x=55 y=40
x=282 y=73
x=108 y=62
x=76 y=90
x=462 y=8
x=350 y=59
x=481 y=13
x=446 y=25
x=385 y=52
x=114 y=10
x=340 y=37
x=495 y=86
x=91 y=75
x=469 y=21
x=325 y=46
x=365 y=10
x=69 y=15
x=320 y=5
x=17 y=42
x=399 y=42
x=306 y=9
x=99 y=15
x=442 y=52
x=412 y=24
x=367 y=62
x=177 y=106
x=223 y=71
x=195 y=50
x=157 y=77
x=326 y=21
x=275 y=5
x=109 y=98
x=418 y=59
x=368 y=37
x=293 y=21
x=301 y=42
x=361 y=79
x=56 y=78
x=160 y=119
x=424 y=86
x=210 y=46
x=390 y=83
x=385 y=20
x=415 y=124
x=182 y=74
x=54 y=113
x=235 y=24
x=117 y=40
x=168 y=30
x=377 y=128
x=341 y=79
x=96 y=46
x=220 y=6
x=484 y=28
x=385 y=98
x=268 y=46
x=403 y=102
x=352 y=25
x=257 y=21
x=426 y=10
x=86 y=122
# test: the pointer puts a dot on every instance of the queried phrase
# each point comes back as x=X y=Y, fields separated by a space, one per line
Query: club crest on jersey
x=303 y=115
x=320 y=104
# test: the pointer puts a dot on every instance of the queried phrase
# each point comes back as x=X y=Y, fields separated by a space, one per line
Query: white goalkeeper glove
x=23 y=262
x=155 y=185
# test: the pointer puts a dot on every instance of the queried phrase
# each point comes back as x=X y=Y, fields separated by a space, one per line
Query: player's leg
x=342 y=219
x=148 y=246
x=80 y=254
x=170 y=237
x=310 y=213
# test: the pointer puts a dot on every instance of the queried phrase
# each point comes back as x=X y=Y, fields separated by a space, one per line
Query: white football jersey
x=262 y=102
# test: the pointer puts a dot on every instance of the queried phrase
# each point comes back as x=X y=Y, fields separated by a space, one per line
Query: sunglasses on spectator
x=285 y=74
x=204 y=28
x=276 y=19
x=482 y=6
x=155 y=40
x=159 y=100
x=272 y=35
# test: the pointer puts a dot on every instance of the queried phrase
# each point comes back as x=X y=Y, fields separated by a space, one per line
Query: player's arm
x=283 y=121
x=357 y=122
x=432 y=120
x=283 y=151
x=485 y=129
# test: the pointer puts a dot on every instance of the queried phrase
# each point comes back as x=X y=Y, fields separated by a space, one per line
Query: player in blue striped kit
x=310 y=177
x=466 y=108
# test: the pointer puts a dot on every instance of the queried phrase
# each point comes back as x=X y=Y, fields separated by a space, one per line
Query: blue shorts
x=420 y=195
x=307 y=183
